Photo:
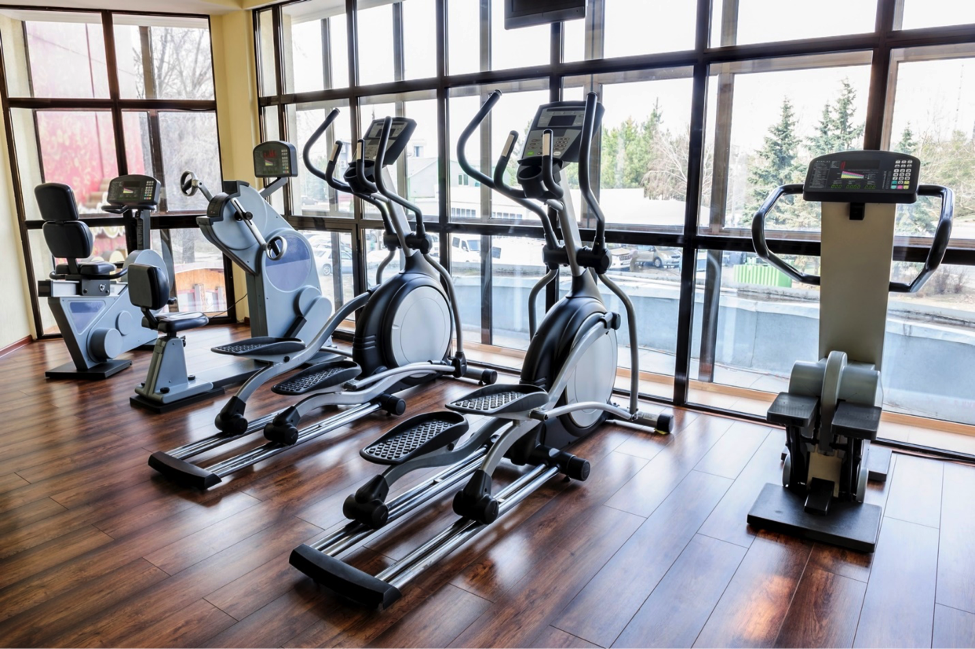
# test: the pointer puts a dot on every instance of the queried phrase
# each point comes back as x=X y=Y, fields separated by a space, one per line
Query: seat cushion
x=173 y=323
x=96 y=268
x=68 y=239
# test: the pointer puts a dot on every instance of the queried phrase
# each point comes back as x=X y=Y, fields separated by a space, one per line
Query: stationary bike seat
x=261 y=346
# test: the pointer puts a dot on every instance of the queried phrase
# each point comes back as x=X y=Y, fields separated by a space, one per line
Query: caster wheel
x=577 y=469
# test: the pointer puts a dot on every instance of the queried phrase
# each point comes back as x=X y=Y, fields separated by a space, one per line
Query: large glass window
x=311 y=196
x=739 y=22
x=317 y=56
x=935 y=13
x=163 y=58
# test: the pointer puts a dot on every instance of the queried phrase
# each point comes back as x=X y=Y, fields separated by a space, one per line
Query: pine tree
x=824 y=141
x=777 y=158
x=848 y=134
x=907 y=143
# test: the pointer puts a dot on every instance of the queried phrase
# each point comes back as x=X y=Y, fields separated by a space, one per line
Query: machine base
x=95 y=373
x=849 y=525
x=182 y=472
x=878 y=463
x=139 y=401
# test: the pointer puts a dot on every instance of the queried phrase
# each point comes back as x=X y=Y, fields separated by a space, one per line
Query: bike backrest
x=148 y=286
x=65 y=234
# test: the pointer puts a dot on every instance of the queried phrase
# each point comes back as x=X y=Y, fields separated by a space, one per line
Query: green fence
x=761 y=275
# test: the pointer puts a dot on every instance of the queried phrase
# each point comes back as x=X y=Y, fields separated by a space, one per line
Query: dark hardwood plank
x=956 y=553
x=915 y=494
x=187 y=627
x=632 y=574
x=52 y=553
x=653 y=484
x=557 y=638
x=824 y=611
x=440 y=619
x=733 y=451
x=10 y=482
x=751 y=610
x=13 y=519
x=898 y=608
x=680 y=605
x=728 y=521
x=953 y=628
x=530 y=605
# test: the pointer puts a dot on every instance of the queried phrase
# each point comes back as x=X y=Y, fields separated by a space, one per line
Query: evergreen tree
x=907 y=143
x=848 y=134
x=777 y=158
x=824 y=141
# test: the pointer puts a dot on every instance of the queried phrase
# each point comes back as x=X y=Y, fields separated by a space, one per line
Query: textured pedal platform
x=320 y=376
x=416 y=436
x=262 y=346
x=792 y=410
x=856 y=420
x=501 y=399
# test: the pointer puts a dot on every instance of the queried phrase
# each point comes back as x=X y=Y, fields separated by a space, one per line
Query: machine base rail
x=139 y=401
x=95 y=372
x=176 y=468
x=384 y=589
x=849 y=525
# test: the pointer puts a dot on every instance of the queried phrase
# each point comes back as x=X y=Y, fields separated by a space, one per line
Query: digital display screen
x=130 y=188
x=862 y=164
x=562 y=120
x=270 y=153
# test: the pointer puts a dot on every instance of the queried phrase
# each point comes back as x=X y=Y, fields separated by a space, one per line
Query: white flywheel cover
x=421 y=327
x=593 y=378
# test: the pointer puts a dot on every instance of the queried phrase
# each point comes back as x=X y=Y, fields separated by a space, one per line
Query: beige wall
x=235 y=78
x=16 y=321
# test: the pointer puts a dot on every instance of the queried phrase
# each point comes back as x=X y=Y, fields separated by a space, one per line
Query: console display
x=274 y=159
x=133 y=191
x=863 y=176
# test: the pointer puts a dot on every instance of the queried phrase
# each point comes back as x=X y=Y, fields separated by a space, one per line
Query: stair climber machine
x=403 y=332
x=564 y=393
x=285 y=298
x=90 y=300
x=832 y=410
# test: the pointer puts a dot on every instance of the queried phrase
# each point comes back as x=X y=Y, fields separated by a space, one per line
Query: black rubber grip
x=343 y=579
x=182 y=472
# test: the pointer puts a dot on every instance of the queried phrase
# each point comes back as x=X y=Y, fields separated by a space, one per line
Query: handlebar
x=588 y=128
x=306 y=152
x=498 y=181
x=360 y=168
x=381 y=186
x=548 y=165
x=936 y=253
x=188 y=184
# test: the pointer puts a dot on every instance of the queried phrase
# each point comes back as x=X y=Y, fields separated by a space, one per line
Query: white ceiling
x=172 y=6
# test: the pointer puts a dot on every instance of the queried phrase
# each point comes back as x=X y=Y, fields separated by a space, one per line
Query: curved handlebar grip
x=761 y=246
x=187 y=183
x=380 y=184
x=588 y=131
x=360 y=167
x=498 y=181
x=548 y=169
x=306 y=152
x=329 y=175
x=466 y=134
x=939 y=246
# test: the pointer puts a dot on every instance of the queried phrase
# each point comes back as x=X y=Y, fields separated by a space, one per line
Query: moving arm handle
x=588 y=128
x=518 y=195
x=189 y=184
x=381 y=186
x=940 y=243
x=330 y=169
x=761 y=246
x=548 y=166
x=360 y=168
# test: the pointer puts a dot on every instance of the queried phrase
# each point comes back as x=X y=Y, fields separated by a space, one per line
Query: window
x=71 y=126
x=633 y=27
x=739 y=22
x=310 y=195
x=935 y=13
x=317 y=57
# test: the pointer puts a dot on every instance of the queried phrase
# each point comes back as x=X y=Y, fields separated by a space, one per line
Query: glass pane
x=464 y=36
x=312 y=197
x=759 y=324
x=517 y=265
x=54 y=55
x=574 y=43
x=420 y=175
x=643 y=149
x=316 y=45
x=375 y=28
x=419 y=39
x=163 y=58
x=164 y=144
x=936 y=13
x=933 y=113
x=333 y=253
x=198 y=264
x=76 y=148
x=766 y=122
x=762 y=21
x=265 y=49
x=517 y=48
x=930 y=345
x=468 y=201
x=635 y=27
x=465 y=269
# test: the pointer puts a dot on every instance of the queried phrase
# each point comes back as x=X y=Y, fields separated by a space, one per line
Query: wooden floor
x=653 y=550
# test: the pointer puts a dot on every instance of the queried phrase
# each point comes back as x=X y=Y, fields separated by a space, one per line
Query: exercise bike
x=285 y=298
x=564 y=393
x=832 y=410
x=90 y=300
x=402 y=333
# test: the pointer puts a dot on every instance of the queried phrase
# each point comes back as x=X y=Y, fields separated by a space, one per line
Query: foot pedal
x=819 y=497
x=792 y=410
x=261 y=346
x=320 y=376
x=856 y=420
x=496 y=400
x=416 y=436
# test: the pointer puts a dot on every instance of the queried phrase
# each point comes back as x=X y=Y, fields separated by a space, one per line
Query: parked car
x=622 y=258
x=465 y=248
x=655 y=256
x=321 y=245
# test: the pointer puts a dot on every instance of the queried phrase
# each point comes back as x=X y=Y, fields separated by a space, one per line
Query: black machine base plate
x=95 y=373
x=139 y=401
x=848 y=525
x=182 y=472
x=878 y=463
